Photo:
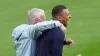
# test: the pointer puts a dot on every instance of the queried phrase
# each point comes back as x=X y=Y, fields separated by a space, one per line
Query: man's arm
x=39 y=27
x=68 y=42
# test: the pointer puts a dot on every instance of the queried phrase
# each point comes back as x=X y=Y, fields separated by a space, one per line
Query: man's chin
x=67 y=23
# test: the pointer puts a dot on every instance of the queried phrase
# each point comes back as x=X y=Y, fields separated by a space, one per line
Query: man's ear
x=58 y=18
x=37 y=20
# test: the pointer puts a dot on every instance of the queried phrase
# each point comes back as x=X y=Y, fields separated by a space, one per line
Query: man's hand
x=69 y=42
x=63 y=28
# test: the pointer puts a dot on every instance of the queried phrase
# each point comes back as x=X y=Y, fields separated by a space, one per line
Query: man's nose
x=70 y=16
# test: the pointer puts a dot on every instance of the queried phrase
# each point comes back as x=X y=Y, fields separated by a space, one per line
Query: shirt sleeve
x=39 y=27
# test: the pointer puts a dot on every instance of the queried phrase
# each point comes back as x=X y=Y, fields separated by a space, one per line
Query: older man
x=24 y=35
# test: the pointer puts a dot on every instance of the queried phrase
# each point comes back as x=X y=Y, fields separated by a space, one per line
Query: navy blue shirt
x=50 y=43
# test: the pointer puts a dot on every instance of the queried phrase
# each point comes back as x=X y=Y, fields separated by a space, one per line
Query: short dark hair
x=57 y=10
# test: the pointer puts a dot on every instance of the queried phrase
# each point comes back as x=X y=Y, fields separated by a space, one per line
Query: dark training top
x=50 y=43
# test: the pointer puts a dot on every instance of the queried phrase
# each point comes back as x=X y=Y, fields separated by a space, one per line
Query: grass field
x=84 y=27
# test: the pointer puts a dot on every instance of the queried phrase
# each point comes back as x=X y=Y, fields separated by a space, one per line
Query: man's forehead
x=66 y=11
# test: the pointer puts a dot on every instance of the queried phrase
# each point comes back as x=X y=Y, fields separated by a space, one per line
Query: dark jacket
x=50 y=43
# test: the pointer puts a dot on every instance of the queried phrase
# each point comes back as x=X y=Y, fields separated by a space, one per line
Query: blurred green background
x=84 y=27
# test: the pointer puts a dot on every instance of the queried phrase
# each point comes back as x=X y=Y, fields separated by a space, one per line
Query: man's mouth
x=67 y=22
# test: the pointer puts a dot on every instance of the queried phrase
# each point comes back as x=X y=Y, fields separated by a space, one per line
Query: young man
x=50 y=43
x=62 y=14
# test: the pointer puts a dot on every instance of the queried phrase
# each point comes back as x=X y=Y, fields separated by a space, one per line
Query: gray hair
x=34 y=13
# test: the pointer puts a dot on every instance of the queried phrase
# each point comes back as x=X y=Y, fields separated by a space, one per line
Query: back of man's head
x=57 y=10
x=34 y=14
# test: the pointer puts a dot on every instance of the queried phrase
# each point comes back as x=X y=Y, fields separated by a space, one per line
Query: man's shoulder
x=20 y=28
x=54 y=31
